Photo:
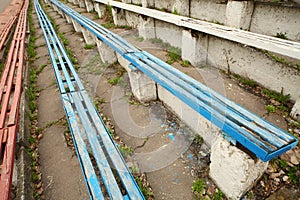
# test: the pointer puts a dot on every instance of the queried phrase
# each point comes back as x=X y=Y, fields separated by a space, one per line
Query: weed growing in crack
x=277 y=96
x=62 y=37
x=125 y=150
x=245 y=81
x=198 y=186
x=197 y=139
x=218 y=195
x=281 y=35
x=185 y=63
x=32 y=93
x=270 y=108
x=174 y=54
x=89 y=46
x=145 y=190
x=114 y=81
x=175 y=12
x=40 y=69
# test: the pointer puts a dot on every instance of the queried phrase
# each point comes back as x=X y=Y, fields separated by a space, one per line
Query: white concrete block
x=81 y=3
x=88 y=36
x=212 y=10
x=89 y=5
x=295 y=113
x=255 y=65
x=132 y=19
x=146 y=27
x=181 y=7
x=76 y=25
x=61 y=13
x=54 y=7
x=239 y=13
x=136 y=2
x=107 y=54
x=169 y=33
x=69 y=20
x=148 y=3
x=142 y=87
x=193 y=119
x=233 y=170
x=194 y=47
x=100 y=9
x=273 y=19
x=166 y=5
x=119 y=17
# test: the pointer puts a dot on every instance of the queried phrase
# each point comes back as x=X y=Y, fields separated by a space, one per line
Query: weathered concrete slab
x=233 y=170
x=239 y=13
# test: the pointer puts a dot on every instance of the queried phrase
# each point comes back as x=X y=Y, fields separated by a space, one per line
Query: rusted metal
x=10 y=95
x=7 y=20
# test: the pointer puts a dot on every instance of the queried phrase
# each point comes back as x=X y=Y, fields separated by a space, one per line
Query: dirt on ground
x=173 y=173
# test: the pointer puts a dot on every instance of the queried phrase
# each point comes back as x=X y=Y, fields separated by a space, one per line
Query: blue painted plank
x=235 y=116
x=218 y=97
x=214 y=106
x=54 y=64
x=81 y=150
x=106 y=36
x=197 y=105
x=53 y=37
x=126 y=177
x=85 y=162
x=102 y=163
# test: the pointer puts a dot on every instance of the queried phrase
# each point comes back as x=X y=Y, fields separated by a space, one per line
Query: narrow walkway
x=61 y=174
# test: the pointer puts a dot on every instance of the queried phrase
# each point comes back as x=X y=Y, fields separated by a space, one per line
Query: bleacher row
x=260 y=137
x=11 y=88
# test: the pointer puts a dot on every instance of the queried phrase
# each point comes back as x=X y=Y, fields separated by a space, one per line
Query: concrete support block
x=76 y=25
x=136 y=2
x=132 y=19
x=169 y=33
x=295 y=113
x=233 y=170
x=54 y=7
x=69 y=19
x=100 y=9
x=142 y=87
x=148 y=3
x=239 y=13
x=81 y=3
x=107 y=54
x=181 y=7
x=146 y=27
x=61 y=13
x=194 y=47
x=88 y=36
x=119 y=17
x=190 y=117
x=89 y=5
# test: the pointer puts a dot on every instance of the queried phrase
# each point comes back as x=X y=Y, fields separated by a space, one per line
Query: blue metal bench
x=263 y=139
x=85 y=122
